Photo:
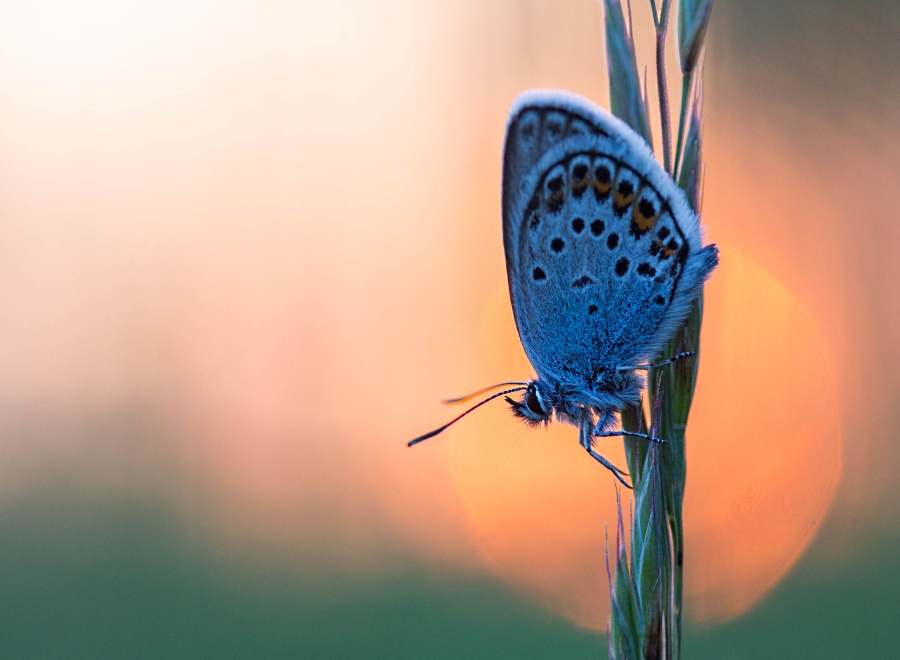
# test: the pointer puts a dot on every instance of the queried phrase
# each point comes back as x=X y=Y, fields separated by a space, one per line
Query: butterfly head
x=543 y=398
x=537 y=404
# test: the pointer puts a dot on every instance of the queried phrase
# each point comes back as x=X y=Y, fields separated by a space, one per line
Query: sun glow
x=764 y=450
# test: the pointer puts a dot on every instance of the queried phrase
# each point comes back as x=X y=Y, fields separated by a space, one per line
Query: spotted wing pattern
x=603 y=253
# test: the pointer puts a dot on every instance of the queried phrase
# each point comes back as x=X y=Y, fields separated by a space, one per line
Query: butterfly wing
x=603 y=253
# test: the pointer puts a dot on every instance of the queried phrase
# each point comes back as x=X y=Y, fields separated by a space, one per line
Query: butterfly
x=604 y=257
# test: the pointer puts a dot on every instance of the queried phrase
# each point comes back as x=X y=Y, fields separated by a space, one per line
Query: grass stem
x=686 y=81
x=665 y=121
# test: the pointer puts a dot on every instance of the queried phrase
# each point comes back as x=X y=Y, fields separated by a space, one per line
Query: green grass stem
x=647 y=589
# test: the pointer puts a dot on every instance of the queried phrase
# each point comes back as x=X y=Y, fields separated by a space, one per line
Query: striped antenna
x=481 y=391
x=456 y=419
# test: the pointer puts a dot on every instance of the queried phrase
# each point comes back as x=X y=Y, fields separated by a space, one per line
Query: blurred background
x=247 y=247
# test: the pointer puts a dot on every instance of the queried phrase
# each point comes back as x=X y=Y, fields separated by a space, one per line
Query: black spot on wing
x=644 y=216
x=597 y=227
x=528 y=127
x=579 y=179
x=646 y=269
x=538 y=274
x=612 y=241
x=663 y=251
x=578 y=225
x=557 y=245
x=592 y=309
x=557 y=195
x=621 y=266
x=582 y=282
x=602 y=182
x=578 y=127
x=555 y=126
x=624 y=196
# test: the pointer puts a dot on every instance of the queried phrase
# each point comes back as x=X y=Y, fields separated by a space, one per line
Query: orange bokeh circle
x=764 y=459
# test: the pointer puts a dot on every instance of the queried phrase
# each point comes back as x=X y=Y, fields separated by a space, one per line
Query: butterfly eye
x=532 y=401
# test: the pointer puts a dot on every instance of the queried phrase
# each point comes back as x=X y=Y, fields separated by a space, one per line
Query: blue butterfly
x=604 y=257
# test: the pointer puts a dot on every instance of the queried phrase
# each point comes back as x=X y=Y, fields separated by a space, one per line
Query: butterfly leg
x=585 y=437
x=658 y=364
x=609 y=434
x=607 y=420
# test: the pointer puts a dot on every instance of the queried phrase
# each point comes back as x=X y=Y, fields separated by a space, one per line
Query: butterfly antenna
x=481 y=391
x=456 y=419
